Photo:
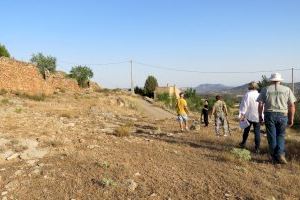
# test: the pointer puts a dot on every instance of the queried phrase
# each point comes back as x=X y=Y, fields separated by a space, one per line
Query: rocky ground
x=111 y=145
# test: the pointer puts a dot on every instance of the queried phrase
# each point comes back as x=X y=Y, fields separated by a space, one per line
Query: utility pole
x=132 y=90
x=293 y=84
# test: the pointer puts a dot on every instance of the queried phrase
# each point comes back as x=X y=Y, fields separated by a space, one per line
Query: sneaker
x=282 y=160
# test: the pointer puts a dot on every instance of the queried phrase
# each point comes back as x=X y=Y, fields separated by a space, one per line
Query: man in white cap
x=278 y=103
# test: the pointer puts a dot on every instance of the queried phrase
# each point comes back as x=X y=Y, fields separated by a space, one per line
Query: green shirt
x=219 y=107
x=276 y=98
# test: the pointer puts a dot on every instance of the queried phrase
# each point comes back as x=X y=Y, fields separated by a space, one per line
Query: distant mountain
x=211 y=88
x=239 y=90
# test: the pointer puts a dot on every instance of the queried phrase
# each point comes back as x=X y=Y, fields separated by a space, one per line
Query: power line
x=99 y=64
x=209 y=72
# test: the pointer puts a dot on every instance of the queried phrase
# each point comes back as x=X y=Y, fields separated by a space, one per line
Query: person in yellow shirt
x=182 y=111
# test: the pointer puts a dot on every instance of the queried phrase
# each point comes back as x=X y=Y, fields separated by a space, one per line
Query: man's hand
x=290 y=123
x=242 y=117
x=261 y=120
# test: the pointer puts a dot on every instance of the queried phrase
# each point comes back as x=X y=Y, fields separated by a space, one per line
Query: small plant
x=3 y=91
x=123 y=131
x=5 y=101
x=105 y=182
x=105 y=165
x=18 y=110
x=241 y=154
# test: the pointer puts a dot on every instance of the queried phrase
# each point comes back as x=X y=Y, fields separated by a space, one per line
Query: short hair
x=181 y=93
x=218 y=97
x=253 y=85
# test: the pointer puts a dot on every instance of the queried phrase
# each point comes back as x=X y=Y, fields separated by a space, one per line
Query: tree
x=82 y=74
x=140 y=91
x=3 y=51
x=44 y=63
x=263 y=82
x=150 y=85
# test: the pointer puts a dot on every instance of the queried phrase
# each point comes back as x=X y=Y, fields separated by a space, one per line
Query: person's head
x=276 y=77
x=218 y=97
x=252 y=85
x=205 y=106
x=181 y=94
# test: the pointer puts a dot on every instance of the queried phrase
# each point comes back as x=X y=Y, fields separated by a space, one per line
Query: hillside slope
x=66 y=148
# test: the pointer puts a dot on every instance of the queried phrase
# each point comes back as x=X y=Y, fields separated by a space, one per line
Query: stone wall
x=22 y=77
x=60 y=82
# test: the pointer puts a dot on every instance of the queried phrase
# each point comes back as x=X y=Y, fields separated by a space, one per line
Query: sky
x=191 y=36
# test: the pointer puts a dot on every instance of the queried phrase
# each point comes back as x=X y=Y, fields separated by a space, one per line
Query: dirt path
x=152 y=111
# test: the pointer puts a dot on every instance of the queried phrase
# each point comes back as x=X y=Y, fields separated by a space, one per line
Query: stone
x=132 y=185
x=153 y=195
x=4 y=193
x=11 y=185
x=93 y=146
x=13 y=156
x=18 y=172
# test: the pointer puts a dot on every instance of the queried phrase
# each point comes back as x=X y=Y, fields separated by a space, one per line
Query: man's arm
x=225 y=109
x=260 y=111
x=213 y=111
x=291 y=114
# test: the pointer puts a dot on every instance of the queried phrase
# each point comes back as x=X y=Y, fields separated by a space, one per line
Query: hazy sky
x=211 y=35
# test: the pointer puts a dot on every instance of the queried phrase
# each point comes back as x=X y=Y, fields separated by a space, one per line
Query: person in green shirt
x=220 y=112
x=278 y=103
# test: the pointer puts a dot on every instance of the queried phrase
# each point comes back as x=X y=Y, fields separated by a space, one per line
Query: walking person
x=249 y=112
x=278 y=103
x=182 y=111
x=204 y=115
x=220 y=112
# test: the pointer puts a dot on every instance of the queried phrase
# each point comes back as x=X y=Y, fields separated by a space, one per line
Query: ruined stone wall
x=22 y=77
x=59 y=81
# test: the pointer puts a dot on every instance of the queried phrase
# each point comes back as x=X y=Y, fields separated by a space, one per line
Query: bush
x=44 y=63
x=82 y=74
x=150 y=85
x=140 y=91
x=241 y=154
x=123 y=131
x=3 y=51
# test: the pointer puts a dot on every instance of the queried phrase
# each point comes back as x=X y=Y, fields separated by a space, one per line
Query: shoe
x=225 y=135
x=282 y=160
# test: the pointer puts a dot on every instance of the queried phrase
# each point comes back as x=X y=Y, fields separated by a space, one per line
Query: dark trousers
x=206 y=119
x=256 y=127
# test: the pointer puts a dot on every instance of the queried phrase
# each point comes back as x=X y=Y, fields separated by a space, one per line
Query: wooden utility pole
x=132 y=90
x=293 y=84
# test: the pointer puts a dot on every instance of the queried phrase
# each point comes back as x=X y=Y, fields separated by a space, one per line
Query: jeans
x=276 y=124
x=256 y=127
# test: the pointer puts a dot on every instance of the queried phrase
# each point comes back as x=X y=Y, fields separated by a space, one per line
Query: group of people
x=274 y=106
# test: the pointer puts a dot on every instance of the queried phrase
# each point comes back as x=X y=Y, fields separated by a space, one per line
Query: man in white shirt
x=249 y=112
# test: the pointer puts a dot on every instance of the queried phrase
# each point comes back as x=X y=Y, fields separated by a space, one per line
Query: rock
x=93 y=146
x=31 y=162
x=13 y=156
x=153 y=195
x=36 y=171
x=81 y=140
x=11 y=185
x=132 y=185
x=4 y=193
x=18 y=172
x=137 y=174
x=4 y=198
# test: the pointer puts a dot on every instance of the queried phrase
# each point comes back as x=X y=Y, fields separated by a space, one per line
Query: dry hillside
x=108 y=146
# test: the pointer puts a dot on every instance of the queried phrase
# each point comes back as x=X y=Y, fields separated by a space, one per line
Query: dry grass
x=123 y=131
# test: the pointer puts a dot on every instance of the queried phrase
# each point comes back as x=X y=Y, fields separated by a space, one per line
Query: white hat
x=276 y=77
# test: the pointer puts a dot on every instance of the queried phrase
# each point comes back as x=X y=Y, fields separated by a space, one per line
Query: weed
x=3 y=91
x=66 y=115
x=123 y=131
x=20 y=148
x=5 y=101
x=105 y=182
x=105 y=165
x=38 y=97
x=18 y=110
x=241 y=154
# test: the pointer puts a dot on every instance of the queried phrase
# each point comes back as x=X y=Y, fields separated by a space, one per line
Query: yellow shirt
x=181 y=104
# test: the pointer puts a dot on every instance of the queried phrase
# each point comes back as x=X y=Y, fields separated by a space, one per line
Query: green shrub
x=3 y=51
x=82 y=74
x=241 y=154
x=5 y=101
x=44 y=63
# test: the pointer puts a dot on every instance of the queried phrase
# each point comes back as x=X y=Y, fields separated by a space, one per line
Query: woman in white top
x=249 y=112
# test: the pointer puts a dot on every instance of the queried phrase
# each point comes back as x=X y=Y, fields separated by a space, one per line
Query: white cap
x=276 y=77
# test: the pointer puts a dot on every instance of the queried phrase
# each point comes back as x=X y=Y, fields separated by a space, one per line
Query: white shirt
x=249 y=106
